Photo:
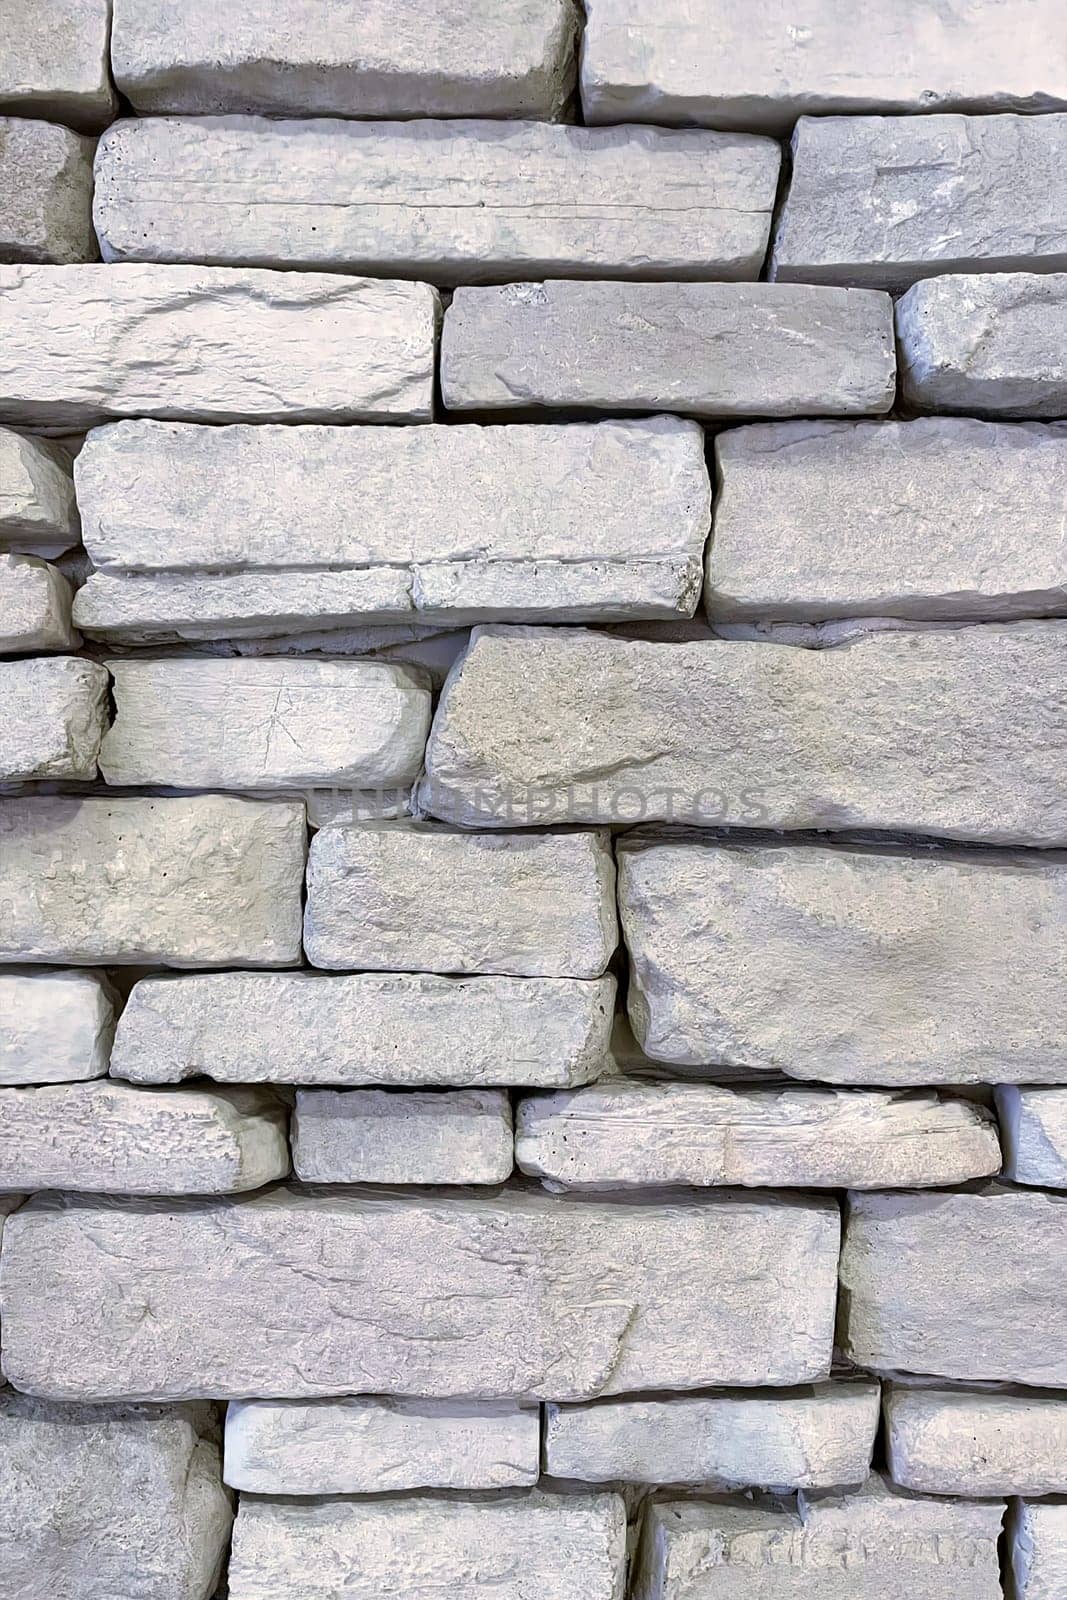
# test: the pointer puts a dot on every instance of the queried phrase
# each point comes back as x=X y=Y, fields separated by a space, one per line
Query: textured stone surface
x=379 y=1136
x=85 y=343
x=993 y=344
x=943 y=733
x=965 y=1286
x=454 y=201
x=364 y=1445
x=98 y=1502
x=34 y=607
x=1033 y=1129
x=46 y=188
x=713 y=349
x=55 y=1027
x=1038 y=1550
x=212 y=881
x=348 y=58
x=55 y=61
x=851 y=966
x=908 y=498
x=815 y=1438
x=883 y=201
x=389 y=1028
x=268 y=724
x=427 y=900
x=55 y=712
x=953 y=1441
x=37 y=511
x=298 y=1292
x=557 y=1547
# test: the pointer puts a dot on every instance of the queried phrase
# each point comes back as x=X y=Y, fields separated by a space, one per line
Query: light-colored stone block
x=55 y=61
x=365 y=1445
x=976 y=1442
x=1033 y=1131
x=34 y=607
x=38 y=515
x=956 y=734
x=451 y=201
x=907 y=500
x=1038 y=1550
x=46 y=191
x=711 y=349
x=381 y=1136
x=211 y=881
x=55 y=1027
x=85 y=343
x=55 y=713
x=295 y=1292
x=884 y=201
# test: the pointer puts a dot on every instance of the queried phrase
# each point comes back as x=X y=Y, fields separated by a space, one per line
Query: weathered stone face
x=34 y=607
x=55 y=62
x=55 y=1027
x=1033 y=1129
x=1038 y=1535
x=55 y=712
x=46 y=188
x=38 y=515
x=970 y=1442
x=460 y=1136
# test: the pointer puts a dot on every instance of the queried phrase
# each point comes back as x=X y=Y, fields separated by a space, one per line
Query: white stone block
x=1033 y=1131
x=461 y=1136
x=46 y=190
x=34 y=607
x=55 y=1027
x=55 y=713
x=976 y=1442
x=38 y=515
x=55 y=62
x=1038 y=1550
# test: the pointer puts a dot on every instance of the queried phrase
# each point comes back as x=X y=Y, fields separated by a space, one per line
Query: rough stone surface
x=55 y=61
x=34 y=607
x=38 y=515
x=712 y=349
x=514 y=1295
x=364 y=1445
x=428 y=900
x=85 y=343
x=391 y=1028
x=883 y=201
x=55 y=1027
x=46 y=188
x=1038 y=1550
x=212 y=881
x=356 y=58
x=939 y=518
x=966 y=1286
x=454 y=201
x=976 y=1443
x=945 y=733
x=55 y=712
x=993 y=344
x=851 y=966
x=1033 y=1130
x=380 y=1136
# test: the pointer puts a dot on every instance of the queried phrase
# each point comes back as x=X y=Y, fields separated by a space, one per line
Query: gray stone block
x=46 y=192
x=55 y=62
x=34 y=607
x=1033 y=1131
x=1038 y=1550
x=55 y=1027
x=460 y=1136
x=38 y=515
x=976 y=1442
x=55 y=713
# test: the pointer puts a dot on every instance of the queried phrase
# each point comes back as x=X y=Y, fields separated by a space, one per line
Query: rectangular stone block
x=711 y=349
x=908 y=497
x=55 y=62
x=394 y=1029
x=211 y=881
x=381 y=1136
x=55 y=1027
x=883 y=201
x=365 y=1445
x=451 y=201
x=1038 y=1549
x=995 y=344
x=38 y=515
x=86 y=343
x=55 y=713
x=34 y=607
x=965 y=1286
x=957 y=734
x=1033 y=1131
x=350 y=58
x=976 y=1442
x=514 y=1295
x=46 y=193
x=958 y=959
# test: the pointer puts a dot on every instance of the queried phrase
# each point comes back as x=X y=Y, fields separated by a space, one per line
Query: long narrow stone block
x=976 y=1442
x=38 y=515
x=365 y=1445
x=55 y=713
x=55 y=62
x=908 y=498
x=85 y=343
x=712 y=349
x=993 y=344
x=931 y=968
x=1038 y=1549
x=514 y=1295
x=955 y=733
x=815 y=1438
x=211 y=881
x=55 y=1027
x=883 y=201
x=393 y=1029
x=453 y=201
x=46 y=193
x=34 y=607
x=965 y=1286
x=1033 y=1131
x=350 y=58
x=461 y=1136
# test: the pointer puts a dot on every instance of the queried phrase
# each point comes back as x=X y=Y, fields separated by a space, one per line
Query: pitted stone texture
x=55 y=712
x=380 y=1136
x=884 y=201
x=55 y=1027
x=110 y=1138
x=852 y=966
x=211 y=881
x=954 y=733
x=268 y=724
x=908 y=498
x=965 y=1286
x=348 y=58
x=55 y=61
x=1038 y=1546
x=295 y=1292
x=98 y=1502
x=86 y=343
x=711 y=349
x=976 y=1443
x=34 y=607
x=1033 y=1131
x=513 y=1546
x=46 y=190
x=395 y=1029
x=364 y=1445
x=428 y=900
x=38 y=515
x=453 y=201
x=995 y=345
